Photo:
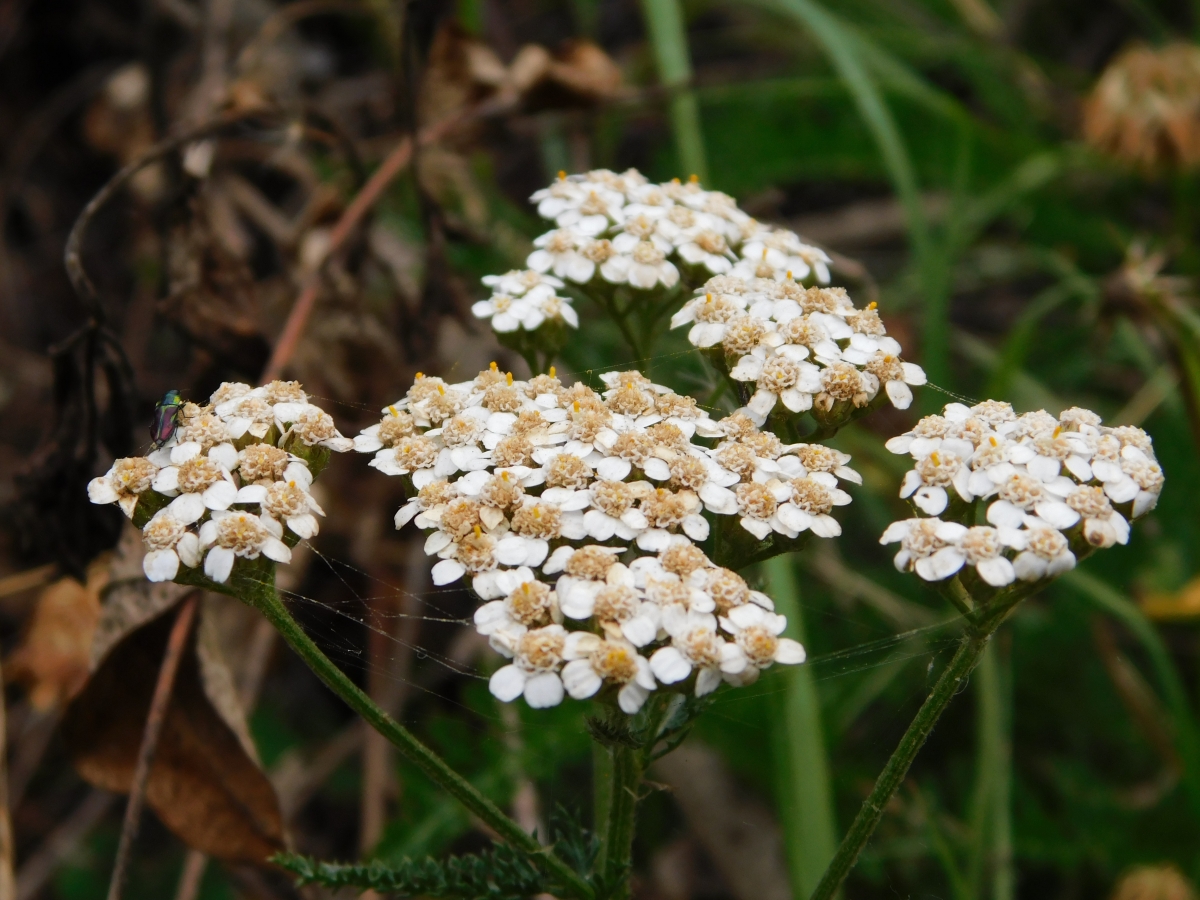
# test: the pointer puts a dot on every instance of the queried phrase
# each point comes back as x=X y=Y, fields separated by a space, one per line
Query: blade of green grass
x=848 y=52
x=1183 y=722
x=801 y=764
x=991 y=822
x=668 y=37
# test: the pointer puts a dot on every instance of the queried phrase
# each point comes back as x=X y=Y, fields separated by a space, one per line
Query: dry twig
x=176 y=643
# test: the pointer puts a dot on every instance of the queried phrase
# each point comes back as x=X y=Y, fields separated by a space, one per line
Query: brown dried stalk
x=176 y=643
x=393 y=164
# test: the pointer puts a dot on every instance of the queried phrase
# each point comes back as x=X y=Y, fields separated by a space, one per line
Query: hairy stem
x=617 y=844
x=950 y=682
x=264 y=598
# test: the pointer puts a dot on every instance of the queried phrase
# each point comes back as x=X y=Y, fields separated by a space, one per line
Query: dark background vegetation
x=1010 y=257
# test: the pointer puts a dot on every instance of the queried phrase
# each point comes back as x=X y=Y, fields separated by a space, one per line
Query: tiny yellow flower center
x=508 y=378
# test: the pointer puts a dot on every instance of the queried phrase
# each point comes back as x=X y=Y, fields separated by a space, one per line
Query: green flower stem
x=617 y=840
x=949 y=684
x=263 y=597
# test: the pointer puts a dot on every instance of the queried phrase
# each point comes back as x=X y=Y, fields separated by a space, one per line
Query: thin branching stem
x=264 y=597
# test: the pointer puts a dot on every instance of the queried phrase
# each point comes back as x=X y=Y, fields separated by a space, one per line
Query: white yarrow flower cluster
x=577 y=516
x=620 y=229
x=232 y=481
x=801 y=347
x=1046 y=485
x=524 y=300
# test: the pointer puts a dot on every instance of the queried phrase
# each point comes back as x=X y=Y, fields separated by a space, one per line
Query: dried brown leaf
x=54 y=655
x=206 y=784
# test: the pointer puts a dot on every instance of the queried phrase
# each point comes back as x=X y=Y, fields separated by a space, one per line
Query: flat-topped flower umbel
x=233 y=480
x=578 y=517
x=1047 y=488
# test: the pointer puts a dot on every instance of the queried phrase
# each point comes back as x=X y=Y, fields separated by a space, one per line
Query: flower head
x=235 y=475
x=578 y=515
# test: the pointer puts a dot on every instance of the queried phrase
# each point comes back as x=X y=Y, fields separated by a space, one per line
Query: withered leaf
x=206 y=784
x=53 y=657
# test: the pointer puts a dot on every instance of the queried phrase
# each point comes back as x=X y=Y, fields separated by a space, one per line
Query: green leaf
x=501 y=873
x=802 y=768
x=668 y=37
x=1170 y=683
